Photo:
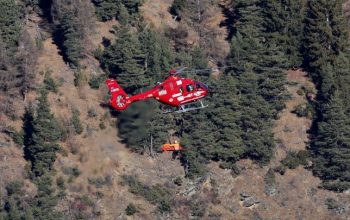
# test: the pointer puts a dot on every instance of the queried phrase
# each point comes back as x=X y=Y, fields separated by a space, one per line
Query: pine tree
x=71 y=43
x=106 y=9
x=251 y=48
x=324 y=34
x=192 y=160
x=341 y=78
x=331 y=146
x=255 y=120
x=10 y=22
x=125 y=57
x=284 y=27
x=258 y=61
x=41 y=134
x=41 y=149
x=327 y=60
x=133 y=5
x=158 y=54
x=225 y=116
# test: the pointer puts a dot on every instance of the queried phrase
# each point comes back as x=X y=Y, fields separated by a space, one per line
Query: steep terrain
x=98 y=153
x=102 y=160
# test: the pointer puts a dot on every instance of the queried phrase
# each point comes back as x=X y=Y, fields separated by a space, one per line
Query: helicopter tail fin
x=119 y=99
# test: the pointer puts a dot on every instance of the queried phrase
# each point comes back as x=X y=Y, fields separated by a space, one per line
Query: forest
x=266 y=39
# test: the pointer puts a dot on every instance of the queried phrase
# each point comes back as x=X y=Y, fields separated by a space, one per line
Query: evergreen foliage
x=125 y=57
x=177 y=7
x=284 y=28
x=50 y=84
x=130 y=209
x=70 y=36
x=327 y=59
x=41 y=145
x=10 y=22
x=158 y=54
x=156 y=194
x=255 y=120
x=78 y=126
x=120 y=9
x=14 y=208
x=250 y=48
x=106 y=9
x=294 y=159
x=41 y=132
x=257 y=61
x=331 y=146
x=95 y=81
x=324 y=34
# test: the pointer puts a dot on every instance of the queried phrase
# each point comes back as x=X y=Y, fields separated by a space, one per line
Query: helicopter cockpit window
x=189 y=88
x=201 y=86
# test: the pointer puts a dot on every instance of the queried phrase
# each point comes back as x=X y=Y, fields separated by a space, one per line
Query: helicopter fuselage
x=176 y=91
x=173 y=91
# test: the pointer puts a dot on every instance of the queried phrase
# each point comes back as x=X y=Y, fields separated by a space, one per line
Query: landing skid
x=185 y=108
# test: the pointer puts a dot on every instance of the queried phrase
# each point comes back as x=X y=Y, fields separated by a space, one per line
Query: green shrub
x=17 y=137
x=235 y=171
x=98 y=53
x=337 y=186
x=106 y=9
x=156 y=194
x=270 y=178
x=304 y=110
x=78 y=77
x=92 y=112
x=99 y=195
x=60 y=182
x=294 y=159
x=50 y=83
x=14 y=188
x=301 y=92
x=131 y=209
x=281 y=169
x=177 y=6
x=178 y=181
x=198 y=208
x=95 y=82
x=78 y=127
x=164 y=206
x=86 y=200
x=300 y=110
x=102 y=125
x=99 y=182
x=72 y=171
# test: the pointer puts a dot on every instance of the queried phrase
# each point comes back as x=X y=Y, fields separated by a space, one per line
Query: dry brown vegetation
x=103 y=160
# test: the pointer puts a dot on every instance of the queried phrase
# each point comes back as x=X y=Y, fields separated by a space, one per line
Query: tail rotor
x=119 y=100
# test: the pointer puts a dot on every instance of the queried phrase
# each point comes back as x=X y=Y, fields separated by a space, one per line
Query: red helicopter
x=174 y=91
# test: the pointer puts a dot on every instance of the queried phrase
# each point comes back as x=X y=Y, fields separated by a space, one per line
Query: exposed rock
x=4 y=144
x=337 y=206
x=97 y=209
x=248 y=200
x=244 y=195
x=271 y=190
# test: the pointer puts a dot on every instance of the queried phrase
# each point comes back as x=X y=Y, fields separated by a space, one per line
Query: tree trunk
x=151 y=147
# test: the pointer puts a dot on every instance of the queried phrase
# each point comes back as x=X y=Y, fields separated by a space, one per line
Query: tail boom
x=119 y=99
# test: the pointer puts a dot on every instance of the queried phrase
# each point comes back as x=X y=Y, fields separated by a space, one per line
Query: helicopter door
x=171 y=86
